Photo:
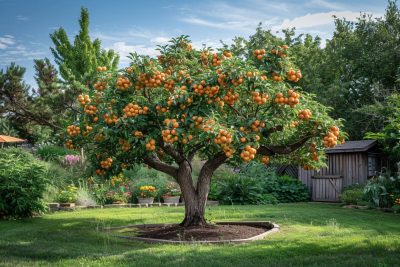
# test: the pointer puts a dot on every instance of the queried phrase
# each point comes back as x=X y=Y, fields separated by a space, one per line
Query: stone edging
x=275 y=229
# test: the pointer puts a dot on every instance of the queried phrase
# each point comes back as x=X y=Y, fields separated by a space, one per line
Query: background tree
x=390 y=135
x=33 y=113
x=6 y=127
x=216 y=105
x=39 y=114
x=356 y=71
x=77 y=61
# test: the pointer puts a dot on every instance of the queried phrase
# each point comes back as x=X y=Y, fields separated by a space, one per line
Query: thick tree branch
x=193 y=150
x=283 y=149
x=208 y=169
x=169 y=150
x=37 y=118
x=156 y=163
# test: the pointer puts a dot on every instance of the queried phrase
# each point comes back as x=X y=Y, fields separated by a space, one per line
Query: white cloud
x=6 y=41
x=14 y=51
x=210 y=43
x=22 y=18
x=132 y=35
x=316 y=19
x=218 y=25
x=160 y=40
x=123 y=49
x=224 y=16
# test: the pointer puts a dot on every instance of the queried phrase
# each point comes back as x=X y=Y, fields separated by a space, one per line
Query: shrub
x=256 y=184
x=22 y=183
x=270 y=199
x=352 y=195
x=53 y=153
x=287 y=189
x=99 y=193
x=396 y=208
x=239 y=189
x=60 y=177
x=380 y=191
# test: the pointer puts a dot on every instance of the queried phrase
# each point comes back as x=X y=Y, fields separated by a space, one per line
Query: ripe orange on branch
x=73 y=130
x=133 y=110
x=123 y=83
x=304 y=115
x=151 y=145
x=330 y=139
x=248 y=153
x=84 y=99
x=260 y=99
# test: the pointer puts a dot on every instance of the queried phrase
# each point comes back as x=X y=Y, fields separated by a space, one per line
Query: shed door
x=373 y=164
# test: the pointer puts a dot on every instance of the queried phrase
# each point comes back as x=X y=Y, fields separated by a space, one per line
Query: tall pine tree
x=77 y=61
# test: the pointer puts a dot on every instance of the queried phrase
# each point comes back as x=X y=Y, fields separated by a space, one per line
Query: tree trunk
x=194 y=211
x=195 y=200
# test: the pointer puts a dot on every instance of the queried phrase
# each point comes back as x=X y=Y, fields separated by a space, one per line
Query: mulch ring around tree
x=222 y=232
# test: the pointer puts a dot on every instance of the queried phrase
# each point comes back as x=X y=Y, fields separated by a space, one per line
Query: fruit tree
x=162 y=112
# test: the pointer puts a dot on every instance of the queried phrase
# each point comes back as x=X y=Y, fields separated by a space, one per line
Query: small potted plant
x=119 y=190
x=172 y=194
x=117 y=197
x=147 y=194
x=67 y=197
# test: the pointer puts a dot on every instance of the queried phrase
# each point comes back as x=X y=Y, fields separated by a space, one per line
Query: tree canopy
x=206 y=102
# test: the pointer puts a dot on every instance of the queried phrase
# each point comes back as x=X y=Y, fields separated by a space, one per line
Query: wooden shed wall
x=353 y=167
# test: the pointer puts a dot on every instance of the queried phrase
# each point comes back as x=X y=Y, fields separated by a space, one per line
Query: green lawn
x=311 y=235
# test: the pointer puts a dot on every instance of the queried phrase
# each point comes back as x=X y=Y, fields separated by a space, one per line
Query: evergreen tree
x=78 y=61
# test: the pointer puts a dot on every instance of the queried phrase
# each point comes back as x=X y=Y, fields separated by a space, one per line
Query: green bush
x=237 y=189
x=396 y=208
x=255 y=184
x=53 y=153
x=99 y=193
x=380 y=191
x=287 y=189
x=353 y=195
x=22 y=183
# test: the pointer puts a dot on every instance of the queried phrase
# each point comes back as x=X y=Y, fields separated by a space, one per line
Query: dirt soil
x=204 y=233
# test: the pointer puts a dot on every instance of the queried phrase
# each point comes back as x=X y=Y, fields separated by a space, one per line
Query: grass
x=311 y=234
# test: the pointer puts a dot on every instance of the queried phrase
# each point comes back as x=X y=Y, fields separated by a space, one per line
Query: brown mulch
x=203 y=233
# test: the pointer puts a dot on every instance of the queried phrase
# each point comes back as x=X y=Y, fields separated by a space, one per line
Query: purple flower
x=71 y=160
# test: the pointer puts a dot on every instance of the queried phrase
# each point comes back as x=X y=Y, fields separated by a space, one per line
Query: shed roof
x=352 y=146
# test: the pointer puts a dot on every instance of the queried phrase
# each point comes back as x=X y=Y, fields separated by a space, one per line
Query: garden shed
x=349 y=163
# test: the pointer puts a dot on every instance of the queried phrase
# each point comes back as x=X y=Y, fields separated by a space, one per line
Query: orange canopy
x=10 y=139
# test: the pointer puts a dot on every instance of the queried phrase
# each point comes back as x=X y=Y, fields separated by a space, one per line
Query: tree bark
x=194 y=205
x=196 y=198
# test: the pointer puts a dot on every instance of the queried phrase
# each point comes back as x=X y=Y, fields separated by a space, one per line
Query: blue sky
x=127 y=26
